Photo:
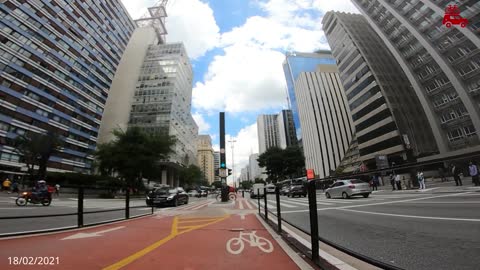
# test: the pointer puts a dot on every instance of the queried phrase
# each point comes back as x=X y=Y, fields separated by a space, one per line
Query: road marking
x=409 y=216
x=251 y=238
x=306 y=201
x=92 y=234
x=379 y=203
x=467 y=202
x=299 y=203
x=283 y=204
x=247 y=204
x=240 y=204
x=174 y=232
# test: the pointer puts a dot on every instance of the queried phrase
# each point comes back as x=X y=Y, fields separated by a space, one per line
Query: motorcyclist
x=40 y=190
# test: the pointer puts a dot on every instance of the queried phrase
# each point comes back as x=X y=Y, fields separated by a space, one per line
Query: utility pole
x=233 y=141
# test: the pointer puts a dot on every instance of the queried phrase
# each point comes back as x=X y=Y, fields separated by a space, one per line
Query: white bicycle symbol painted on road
x=235 y=245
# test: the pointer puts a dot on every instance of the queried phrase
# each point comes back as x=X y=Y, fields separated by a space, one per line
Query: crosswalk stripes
x=249 y=206
x=283 y=204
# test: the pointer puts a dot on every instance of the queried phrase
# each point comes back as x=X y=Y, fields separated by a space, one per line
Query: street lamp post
x=233 y=141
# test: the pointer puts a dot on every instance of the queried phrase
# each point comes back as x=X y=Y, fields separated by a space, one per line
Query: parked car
x=193 y=193
x=297 y=189
x=270 y=188
x=167 y=196
x=203 y=193
x=257 y=191
x=284 y=190
x=348 y=188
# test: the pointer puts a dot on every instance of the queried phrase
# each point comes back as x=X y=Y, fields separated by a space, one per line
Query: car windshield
x=163 y=191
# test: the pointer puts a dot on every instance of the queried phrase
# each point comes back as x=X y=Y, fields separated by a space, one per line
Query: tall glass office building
x=442 y=63
x=57 y=61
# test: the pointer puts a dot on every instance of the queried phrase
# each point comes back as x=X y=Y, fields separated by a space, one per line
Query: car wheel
x=175 y=202
x=186 y=201
x=448 y=24
x=328 y=195
x=463 y=25
x=366 y=195
x=345 y=195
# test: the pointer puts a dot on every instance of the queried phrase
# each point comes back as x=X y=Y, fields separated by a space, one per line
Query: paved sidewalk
x=213 y=237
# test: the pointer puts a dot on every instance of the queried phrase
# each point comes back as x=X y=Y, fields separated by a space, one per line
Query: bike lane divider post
x=279 y=217
x=265 y=201
x=312 y=205
x=258 y=198
x=80 y=207
x=127 y=203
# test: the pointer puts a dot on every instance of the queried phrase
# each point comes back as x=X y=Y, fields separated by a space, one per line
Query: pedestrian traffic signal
x=222 y=165
x=229 y=172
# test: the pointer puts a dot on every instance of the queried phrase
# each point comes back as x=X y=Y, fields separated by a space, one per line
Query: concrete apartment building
x=216 y=164
x=205 y=157
x=153 y=90
x=57 y=63
x=325 y=118
x=442 y=64
x=387 y=115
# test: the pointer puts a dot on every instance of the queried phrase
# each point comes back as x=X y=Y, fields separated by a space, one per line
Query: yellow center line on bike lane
x=157 y=244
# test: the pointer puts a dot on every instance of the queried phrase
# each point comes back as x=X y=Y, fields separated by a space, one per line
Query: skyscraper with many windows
x=442 y=63
x=57 y=62
x=387 y=115
x=205 y=157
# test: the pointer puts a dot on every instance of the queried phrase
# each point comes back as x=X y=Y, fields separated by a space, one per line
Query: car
x=193 y=193
x=297 y=189
x=203 y=193
x=270 y=188
x=348 y=188
x=166 y=196
x=284 y=190
x=257 y=191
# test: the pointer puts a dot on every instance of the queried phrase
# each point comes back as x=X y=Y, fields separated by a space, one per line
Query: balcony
x=419 y=62
x=464 y=142
x=429 y=75
x=453 y=41
x=412 y=51
x=459 y=59
x=475 y=70
x=474 y=91
x=447 y=104
x=405 y=41
x=457 y=121
x=438 y=88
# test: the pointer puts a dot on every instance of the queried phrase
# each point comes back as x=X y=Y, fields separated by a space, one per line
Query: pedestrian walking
x=397 y=181
x=456 y=175
x=392 y=181
x=421 y=180
x=57 y=189
x=6 y=185
x=15 y=187
x=473 y=170
x=374 y=182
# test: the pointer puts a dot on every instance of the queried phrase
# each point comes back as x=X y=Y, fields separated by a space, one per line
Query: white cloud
x=137 y=8
x=246 y=78
x=246 y=144
x=335 y=5
x=192 y=22
x=203 y=126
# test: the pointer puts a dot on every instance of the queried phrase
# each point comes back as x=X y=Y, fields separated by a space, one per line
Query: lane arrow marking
x=93 y=234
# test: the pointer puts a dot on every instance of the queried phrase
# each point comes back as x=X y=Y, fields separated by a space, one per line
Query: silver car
x=348 y=188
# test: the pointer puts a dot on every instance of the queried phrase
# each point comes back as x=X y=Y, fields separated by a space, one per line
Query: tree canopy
x=191 y=175
x=133 y=153
x=36 y=149
x=282 y=163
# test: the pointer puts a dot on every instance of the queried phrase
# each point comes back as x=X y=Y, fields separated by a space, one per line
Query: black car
x=167 y=196
x=297 y=190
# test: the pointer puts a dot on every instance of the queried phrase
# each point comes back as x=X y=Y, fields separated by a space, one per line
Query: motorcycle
x=29 y=197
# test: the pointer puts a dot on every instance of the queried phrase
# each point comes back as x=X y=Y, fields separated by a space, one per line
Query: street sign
x=310 y=174
x=222 y=172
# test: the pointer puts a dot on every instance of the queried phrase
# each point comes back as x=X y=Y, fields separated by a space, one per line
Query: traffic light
x=229 y=172
x=222 y=165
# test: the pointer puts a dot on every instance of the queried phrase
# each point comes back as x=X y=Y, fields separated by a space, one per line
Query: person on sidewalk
x=57 y=189
x=392 y=181
x=421 y=180
x=456 y=175
x=473 y=170
x=374 y=182
x=6 y=185
x=397 y=181
x=15 y=187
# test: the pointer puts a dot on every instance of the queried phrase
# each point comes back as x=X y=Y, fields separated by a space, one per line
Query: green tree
x=36 y=149
x=246 y=184
x=280 y=164
x=190 y=175
x=133 y=153
x=217 y=184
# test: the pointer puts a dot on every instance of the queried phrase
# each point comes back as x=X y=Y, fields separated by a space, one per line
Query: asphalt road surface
x=435 y=229
x=64 y=205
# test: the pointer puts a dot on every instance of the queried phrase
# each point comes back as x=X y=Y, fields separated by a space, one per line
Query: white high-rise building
x=325 y=118
x=255 y=170
x=268 y=133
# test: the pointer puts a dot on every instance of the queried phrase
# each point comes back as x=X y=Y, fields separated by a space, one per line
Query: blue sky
x=237 y=49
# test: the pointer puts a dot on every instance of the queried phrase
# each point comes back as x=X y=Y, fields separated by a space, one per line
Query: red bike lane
x=182 y=242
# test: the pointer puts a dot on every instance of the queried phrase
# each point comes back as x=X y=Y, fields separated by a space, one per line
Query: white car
x=348 y=188
x=270 y=188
